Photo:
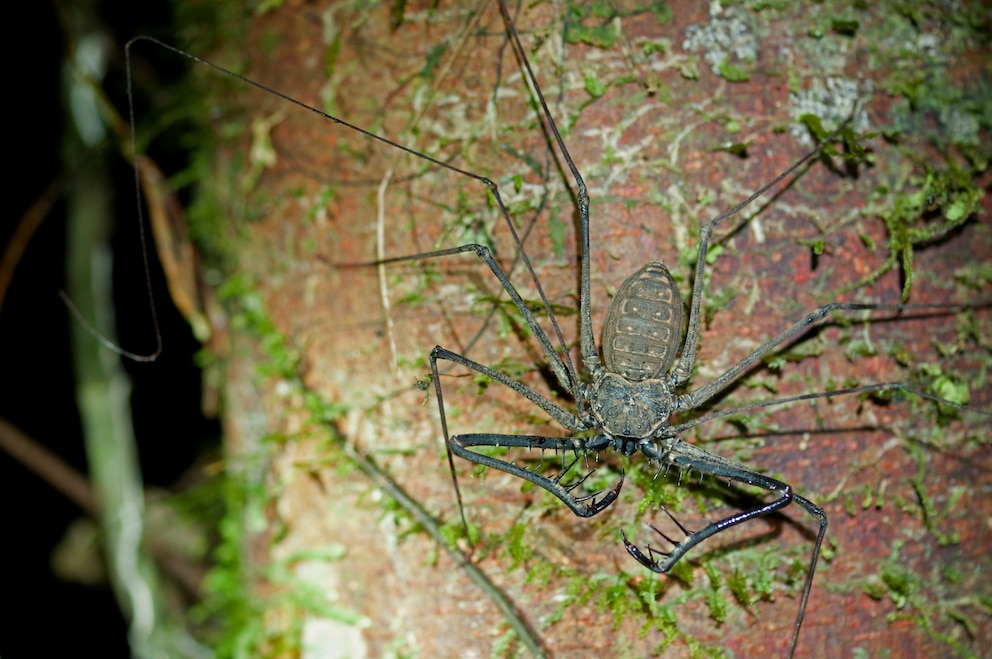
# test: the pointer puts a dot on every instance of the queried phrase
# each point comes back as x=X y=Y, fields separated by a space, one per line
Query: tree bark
x=644 y=114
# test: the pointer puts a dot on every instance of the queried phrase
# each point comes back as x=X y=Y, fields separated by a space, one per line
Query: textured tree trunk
x=644 y=111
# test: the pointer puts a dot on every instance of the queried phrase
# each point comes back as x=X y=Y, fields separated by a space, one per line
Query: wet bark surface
x=644 y=115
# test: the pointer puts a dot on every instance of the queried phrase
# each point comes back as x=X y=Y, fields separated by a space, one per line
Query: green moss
x=714 y=598
x=654 y=492
x=924 y=209
x=593 y=24
x=236 y=620
x=733 y=73
x=845 y=27
x=515 y=547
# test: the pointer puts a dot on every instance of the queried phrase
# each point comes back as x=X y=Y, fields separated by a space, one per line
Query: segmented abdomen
x=643 y=325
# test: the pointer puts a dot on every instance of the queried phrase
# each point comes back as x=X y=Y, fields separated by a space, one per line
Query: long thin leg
x=568 y=420
x=675 y=431
x=683 y=370
x=587 y=343
x=817 y=512
x=565 y=365
x=558 y=413
x=560 y=364
x=700 y=395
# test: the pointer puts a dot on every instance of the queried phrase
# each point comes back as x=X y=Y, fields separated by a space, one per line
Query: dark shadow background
x=46 y=616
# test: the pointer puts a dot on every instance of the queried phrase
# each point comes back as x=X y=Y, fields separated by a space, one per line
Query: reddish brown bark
x=662 y=180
